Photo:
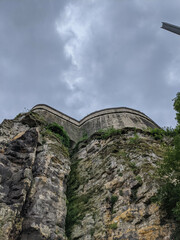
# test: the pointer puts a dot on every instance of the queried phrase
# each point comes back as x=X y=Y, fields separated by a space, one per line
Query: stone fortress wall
x=117 y=118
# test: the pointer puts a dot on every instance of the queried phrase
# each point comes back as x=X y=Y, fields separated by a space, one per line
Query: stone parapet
x=117 y=118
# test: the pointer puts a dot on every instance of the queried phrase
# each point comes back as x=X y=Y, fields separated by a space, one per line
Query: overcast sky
x=80 y=56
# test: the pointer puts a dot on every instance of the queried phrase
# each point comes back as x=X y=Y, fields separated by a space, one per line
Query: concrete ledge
x=111 y=117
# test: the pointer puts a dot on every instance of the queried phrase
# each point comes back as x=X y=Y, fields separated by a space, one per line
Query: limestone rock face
x=33 y=171
x=101 y=190
x=110 y=189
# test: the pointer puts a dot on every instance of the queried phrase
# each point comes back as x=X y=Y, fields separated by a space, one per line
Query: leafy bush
x=133 y=167
x=83 y=138
x=170 y=168
x=59 y=132
x=113 y=226
x=172 y=132
x=177 y=107
x=157 y=133
x=120 y=192
x=139 y=179
x=176 y=234
x=169 y=173
x=134 y=140
x=109 y=132
x=114 y=199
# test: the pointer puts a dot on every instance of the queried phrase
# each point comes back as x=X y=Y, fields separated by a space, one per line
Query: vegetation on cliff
x=131 y=150
x=60 y=133
x=110 y=185
x=169 y=174
x=177 y=107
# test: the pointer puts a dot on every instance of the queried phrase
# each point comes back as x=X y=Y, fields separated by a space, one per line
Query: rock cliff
x=100 y=188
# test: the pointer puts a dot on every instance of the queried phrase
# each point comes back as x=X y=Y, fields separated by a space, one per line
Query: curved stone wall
x=112 y=117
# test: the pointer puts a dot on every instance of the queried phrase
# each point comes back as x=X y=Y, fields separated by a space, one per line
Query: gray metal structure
x=171 y=27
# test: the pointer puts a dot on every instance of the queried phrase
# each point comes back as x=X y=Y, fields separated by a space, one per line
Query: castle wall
x=117 y=118
x=71 y=127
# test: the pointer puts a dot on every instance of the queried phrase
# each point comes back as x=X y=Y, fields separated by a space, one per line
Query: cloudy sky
x=80 y=56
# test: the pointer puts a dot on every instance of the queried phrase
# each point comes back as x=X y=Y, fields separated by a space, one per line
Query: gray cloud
x=81 y=56
x=31 y=54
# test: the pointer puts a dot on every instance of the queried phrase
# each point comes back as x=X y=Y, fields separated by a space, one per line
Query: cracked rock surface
x=102 y=190
x=33 y=184
x=110 y=189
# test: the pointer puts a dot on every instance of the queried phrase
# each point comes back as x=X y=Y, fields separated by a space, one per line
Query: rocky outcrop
x=102 y=188
x=111 y=186
x=34 y=167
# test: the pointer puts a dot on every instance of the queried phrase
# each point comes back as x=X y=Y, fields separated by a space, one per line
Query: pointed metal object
x=171 y=27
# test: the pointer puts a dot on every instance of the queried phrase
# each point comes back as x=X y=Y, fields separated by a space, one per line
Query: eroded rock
x=109 y=192
x=110 y=189
x=33 y=185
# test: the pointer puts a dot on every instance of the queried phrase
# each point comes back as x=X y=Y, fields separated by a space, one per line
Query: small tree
x=169 y=172
x=177 y=107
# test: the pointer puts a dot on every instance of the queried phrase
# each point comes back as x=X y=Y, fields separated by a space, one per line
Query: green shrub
x=120 y=174
x=139 y=179
x=169 y=175
x=177 y=107
x=157 y=133
x=168 y=195
x=134 y=168
x=81 y=140
x=120 y=192
x=132 y=165
x=176 y=210
x=109 y=132
x=92 y=231
x=113 y=226
x=176 y=234
x=76 y=208
x=114 y=199
x=59 y=132
x=134 y=140
x=169 y=192
x=172 y=132
x=170 y=167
